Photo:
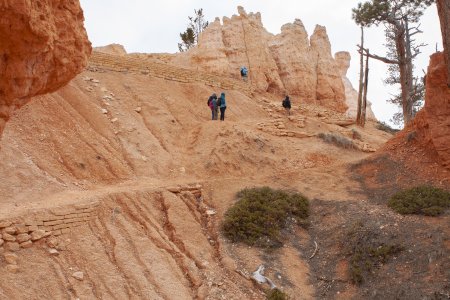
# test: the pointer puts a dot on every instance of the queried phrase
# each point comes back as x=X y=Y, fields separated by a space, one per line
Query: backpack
x=283 y=103
x=219 y=101
x=209 y=101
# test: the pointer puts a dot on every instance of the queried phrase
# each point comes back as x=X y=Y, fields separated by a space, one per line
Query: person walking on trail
x=215 y=107
x=244 y=73
x=223 y=106
x=287 y=105
x=211 y=105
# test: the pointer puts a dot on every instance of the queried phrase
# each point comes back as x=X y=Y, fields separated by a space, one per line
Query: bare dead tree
x=366 y=85
x=361 y=78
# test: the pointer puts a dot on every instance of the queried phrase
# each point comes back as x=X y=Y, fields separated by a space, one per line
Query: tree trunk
x=443 y=7
x=361 y=74
x=405 y=70
x=366 y=85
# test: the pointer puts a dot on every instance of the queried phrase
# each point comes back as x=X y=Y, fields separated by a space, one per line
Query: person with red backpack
x=212 y=104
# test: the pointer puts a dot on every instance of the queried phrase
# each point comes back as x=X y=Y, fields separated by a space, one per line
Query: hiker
x=244 y=73
x=287 y=104
x=215 y=107
x=211 y=105
x=223 y=106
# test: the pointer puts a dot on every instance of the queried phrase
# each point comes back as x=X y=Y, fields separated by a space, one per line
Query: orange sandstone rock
x=289 y=62
x=342 y=59
x=43 y=46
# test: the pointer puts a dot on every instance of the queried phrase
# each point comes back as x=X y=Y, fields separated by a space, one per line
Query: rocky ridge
x=289 y=62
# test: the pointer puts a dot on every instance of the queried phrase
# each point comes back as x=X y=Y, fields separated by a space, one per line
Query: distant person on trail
x=223 y=106
x=244 y=73
x=215 y=107
x=211 y=105
x=287 y=105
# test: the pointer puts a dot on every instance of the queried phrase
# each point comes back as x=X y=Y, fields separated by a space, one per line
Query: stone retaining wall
x=116 y=63
x=23 y=232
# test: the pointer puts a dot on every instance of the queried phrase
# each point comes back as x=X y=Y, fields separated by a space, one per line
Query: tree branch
x=374 y=56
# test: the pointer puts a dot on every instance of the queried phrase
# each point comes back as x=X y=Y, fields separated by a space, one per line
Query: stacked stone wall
x=22 y=232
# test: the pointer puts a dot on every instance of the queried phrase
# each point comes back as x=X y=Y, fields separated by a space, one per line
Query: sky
x=154 y=26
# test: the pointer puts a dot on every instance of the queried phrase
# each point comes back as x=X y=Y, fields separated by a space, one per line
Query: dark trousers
x=222 y=113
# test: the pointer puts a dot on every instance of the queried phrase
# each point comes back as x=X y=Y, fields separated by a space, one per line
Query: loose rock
x=53 y=252
x=78 y=275
x=12 y=268
x=11 y=258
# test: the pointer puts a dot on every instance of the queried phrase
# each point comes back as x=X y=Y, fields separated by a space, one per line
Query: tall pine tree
x=401 y=18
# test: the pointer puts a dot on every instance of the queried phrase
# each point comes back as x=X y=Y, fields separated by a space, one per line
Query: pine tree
x=196 y=25
x=401 y=18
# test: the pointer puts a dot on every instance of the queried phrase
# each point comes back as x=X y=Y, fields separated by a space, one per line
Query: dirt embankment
x=123 y=135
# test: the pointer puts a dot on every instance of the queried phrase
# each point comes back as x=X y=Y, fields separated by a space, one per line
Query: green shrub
x=385 y=127
x=337 y=140
x=276 y=294
x=260 y=214
x=422 y=200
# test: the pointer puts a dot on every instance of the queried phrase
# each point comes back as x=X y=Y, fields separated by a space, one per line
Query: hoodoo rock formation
x=43 y=46
x=285 y=63
x=351 y=95
x=432 y=123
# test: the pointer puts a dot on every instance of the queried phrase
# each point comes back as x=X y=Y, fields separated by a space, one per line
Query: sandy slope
x=120 y=138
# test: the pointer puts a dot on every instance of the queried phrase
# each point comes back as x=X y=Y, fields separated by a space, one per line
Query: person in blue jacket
x=223 y=106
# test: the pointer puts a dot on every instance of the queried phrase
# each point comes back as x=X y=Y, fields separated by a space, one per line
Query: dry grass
x=337 y=140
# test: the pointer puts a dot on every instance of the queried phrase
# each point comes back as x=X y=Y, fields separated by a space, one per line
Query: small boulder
x=78 y=275
x=23 y=237
x=8 y=237
x=12 y=246
x=21 y=229
x=37 y=235
x=10 y=230
x=4 y=224
x=11 y=258
x=26 y=245
x=53 y=252
x=12 y=268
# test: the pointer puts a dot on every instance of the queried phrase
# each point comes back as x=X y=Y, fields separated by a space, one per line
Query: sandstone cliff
x=432 y=123
x=351 y=95
x=43 y=46
x=289 y=62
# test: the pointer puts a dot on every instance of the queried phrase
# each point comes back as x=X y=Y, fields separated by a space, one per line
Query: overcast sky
x=154 y=27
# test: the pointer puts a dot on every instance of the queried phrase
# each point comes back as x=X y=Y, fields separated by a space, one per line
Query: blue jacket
x=223 y=103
